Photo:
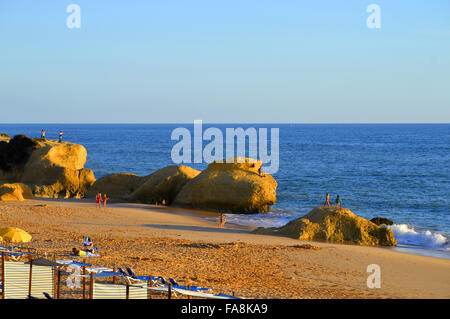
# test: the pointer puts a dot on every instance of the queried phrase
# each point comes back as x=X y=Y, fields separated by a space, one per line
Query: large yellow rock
x=50 y=168
x=338 y=225
x=15 y=191
x=52 y=153
x=233 y=187
x=117 y=185
x=4 y=137
x=56 y=170
x=163 y=186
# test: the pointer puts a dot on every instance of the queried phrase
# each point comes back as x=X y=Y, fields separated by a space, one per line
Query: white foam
x=405 y=234
x=270 y=219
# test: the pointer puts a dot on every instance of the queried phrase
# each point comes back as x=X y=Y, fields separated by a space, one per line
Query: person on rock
x=327 y=200
x=338 y=201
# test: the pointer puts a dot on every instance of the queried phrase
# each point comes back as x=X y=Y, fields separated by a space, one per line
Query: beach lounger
x=98 y=269
x=202 y=294
x=161 y=279
x=88 y=255
x=173 y=282
x=47 y=295
x=133 y=275
x=67 y=262
x=129 y=279
x=193 y=288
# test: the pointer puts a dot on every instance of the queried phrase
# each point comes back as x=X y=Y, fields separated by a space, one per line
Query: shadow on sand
x=198 y=228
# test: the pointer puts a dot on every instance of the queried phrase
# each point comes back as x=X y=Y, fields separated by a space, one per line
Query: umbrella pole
x=59 y=283
x=150 y=284
x=91 y=286
x=31 y=274
x=55 y=269
x=84 y=282
x=3 y=275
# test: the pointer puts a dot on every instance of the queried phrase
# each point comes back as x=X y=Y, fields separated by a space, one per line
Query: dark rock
x=382 y=221
x=15 y=153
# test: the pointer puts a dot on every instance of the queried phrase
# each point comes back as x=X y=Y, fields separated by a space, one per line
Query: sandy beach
x=188 y=246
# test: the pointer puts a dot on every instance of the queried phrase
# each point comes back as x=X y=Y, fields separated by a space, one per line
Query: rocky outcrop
x=14 y=154
x=338 y=225
x=15 y=191
x=4 y=137
x=382 y=221
x=50 y=168
x=234 y=187
x=117 y=185
x=163 y=186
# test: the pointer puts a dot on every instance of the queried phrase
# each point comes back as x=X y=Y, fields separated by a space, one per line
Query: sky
x=234 y=61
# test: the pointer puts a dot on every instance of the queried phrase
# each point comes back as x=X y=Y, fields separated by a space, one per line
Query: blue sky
x=252 y=61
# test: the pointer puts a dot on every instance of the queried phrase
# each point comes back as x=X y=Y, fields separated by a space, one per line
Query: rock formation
x=50 y=168
x=338 y=225
x=15 y=191
x=4 y=137
x=235 y=187
x=160 y=187
x=163 y=186
x=117 y=185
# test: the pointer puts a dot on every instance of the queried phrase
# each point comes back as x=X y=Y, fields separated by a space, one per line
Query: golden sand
x=187 y=246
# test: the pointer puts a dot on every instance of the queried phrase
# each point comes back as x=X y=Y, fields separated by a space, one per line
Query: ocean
x=397 y=171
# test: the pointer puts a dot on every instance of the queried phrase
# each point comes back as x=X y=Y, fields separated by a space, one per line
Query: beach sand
x=188 y=246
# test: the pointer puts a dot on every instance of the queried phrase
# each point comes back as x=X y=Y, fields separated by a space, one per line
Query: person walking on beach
x=338 y=201
x=222 y=220
x=104 y=200
x=60 y=136
x=98 y=200
x=327 y=201
x=43 y=134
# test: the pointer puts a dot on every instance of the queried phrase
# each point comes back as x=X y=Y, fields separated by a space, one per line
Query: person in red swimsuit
x=98 y=200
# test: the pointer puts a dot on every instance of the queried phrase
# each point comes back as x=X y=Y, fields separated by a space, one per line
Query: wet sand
x=188 y=246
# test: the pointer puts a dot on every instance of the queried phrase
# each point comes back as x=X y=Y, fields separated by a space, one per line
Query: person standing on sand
x=60 y=136
x=222 y=220
x=104 y=200
x=98 y=200
x=338 y=201
x=327 y=201
x=43 y=134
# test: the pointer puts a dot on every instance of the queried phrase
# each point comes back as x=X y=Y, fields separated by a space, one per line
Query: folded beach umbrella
x=15 y=235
